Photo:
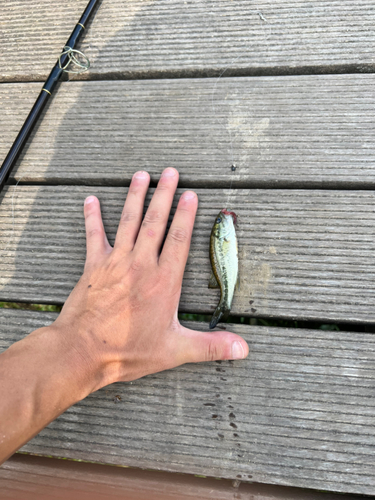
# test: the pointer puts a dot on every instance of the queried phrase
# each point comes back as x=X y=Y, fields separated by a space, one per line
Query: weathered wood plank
x=39 y=478
x=303 y=254
x=306 y=131
x=147 y=38
x=263 y=419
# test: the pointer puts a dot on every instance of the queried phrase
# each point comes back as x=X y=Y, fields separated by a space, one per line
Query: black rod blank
x=43 y=97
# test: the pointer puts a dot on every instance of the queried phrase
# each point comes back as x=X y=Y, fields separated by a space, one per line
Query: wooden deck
x=285 y=91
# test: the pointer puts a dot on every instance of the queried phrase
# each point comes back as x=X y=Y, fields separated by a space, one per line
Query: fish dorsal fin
x=213 y=281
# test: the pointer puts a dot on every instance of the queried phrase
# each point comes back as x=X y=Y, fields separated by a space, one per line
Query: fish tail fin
x=220 y=315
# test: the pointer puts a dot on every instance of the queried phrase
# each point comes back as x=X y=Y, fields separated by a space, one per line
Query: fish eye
x=218 y=219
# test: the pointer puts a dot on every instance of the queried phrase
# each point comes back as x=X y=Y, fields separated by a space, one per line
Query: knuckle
x=178 y=234
x=134 y=189
x=136 y=265
x=95 y=231
x=128 y=217
x=183 y=209
x=90 y=211
x=212 y=352
x=151 y=217
x=163 y=187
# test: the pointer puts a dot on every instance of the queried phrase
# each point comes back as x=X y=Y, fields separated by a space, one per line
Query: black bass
x=224 y=263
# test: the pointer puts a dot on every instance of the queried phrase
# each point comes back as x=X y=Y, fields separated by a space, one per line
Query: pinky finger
x=96 y=240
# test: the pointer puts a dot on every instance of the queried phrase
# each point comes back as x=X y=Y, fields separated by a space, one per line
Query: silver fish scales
x=224 y=263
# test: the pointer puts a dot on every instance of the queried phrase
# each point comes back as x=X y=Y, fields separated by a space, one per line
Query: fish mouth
x=227 y=212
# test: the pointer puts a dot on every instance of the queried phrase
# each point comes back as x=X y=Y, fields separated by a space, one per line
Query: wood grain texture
x=305 y=131
x=148 y=38
x=298 y=411
x=304 y=254
x=26 y=477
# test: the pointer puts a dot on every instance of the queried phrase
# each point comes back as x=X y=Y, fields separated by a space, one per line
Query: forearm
x=40 y=377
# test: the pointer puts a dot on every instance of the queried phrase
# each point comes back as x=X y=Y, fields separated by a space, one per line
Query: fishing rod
x=67 y=56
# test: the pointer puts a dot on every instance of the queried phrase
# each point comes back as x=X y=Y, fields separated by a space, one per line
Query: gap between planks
x=288 y=432
x=292 y=132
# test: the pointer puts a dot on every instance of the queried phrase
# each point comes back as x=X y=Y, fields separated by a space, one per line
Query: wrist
x=82 y=356
x=67 y=357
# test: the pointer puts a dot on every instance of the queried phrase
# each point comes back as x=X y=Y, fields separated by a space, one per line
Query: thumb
x=211 y=346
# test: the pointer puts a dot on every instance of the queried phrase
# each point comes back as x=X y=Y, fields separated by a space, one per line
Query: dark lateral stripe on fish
x=224 y=260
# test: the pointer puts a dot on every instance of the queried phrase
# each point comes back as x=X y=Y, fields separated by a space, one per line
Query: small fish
x=224 y=263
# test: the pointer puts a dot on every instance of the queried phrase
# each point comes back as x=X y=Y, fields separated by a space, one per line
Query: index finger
x=177 y=244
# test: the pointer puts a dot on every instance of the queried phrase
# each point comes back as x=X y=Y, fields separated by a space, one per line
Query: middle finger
x=154 y=224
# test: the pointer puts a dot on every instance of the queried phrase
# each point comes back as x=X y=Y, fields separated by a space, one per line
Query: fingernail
x=189 y=195
x=169 y=172
x=141 y=174
x=237 y=350
x=89 y=199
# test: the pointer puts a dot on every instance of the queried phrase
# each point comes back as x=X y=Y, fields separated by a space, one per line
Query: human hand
x=122 y=315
